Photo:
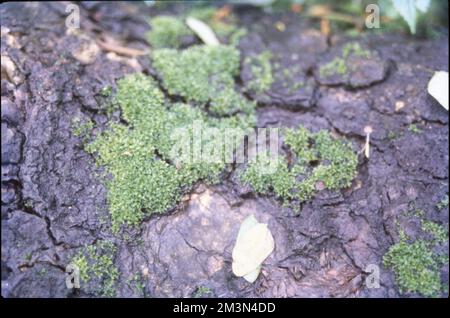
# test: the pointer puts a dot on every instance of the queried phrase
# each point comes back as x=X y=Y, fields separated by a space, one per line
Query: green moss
x=416 y=267
x=236 y=36
x=443 y=203
x=198 y=73
x=144 y=175
x=355 y=49
x=261 y=70
x=81 y=128
x=392 y=135
x=414 y=129
x=98 y=274
x=439 y=232
x=202 y=292
x=136 y=282
x=339 y=65
x=416 y=263
x=229 y=102
x=336 y=66
x=166 y=32
x=336 y=167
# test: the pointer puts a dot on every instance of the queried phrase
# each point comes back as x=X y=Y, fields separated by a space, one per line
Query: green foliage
x=336 y=168
x=416 y=267
x=166 y=32
x=335 y=66
x=261 y=70
x=417 y=263
x=414 y=129
x=409 y=10
x=198 y=73
x=340 y=64
x=438 y=231
x=82 y=129
x=443 y=203
x=202 y=292
x=98 y=273
x=145 y=175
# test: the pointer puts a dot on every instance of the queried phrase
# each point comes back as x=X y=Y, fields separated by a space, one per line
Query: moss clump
x=166 y=32
x=336 y=66
x=417 y=262
x=414 y=129
x=98 y=274
x=336 y=166
x=439 y=232
x=261 y=72
x=203 y=292
x=198 y=73
x=146 y=173
x=81 y=128
x=416 y=267
x=355 y=49
x=340 y=65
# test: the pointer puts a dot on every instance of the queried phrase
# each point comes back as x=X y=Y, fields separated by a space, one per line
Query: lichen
x=335 y=169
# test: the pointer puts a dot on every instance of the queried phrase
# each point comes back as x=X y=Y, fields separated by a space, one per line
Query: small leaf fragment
x=253 y=245
x=203 y=31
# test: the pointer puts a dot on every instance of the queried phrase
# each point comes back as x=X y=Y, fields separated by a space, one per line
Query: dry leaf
x=253 y=245
x=438 y=88
x=203 y=31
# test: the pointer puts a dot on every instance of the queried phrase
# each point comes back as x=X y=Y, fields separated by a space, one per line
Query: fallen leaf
x=438 y=88
x=254 y=244
x=203 y=31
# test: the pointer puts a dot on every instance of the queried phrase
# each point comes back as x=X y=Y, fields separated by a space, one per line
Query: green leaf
x=407 y=9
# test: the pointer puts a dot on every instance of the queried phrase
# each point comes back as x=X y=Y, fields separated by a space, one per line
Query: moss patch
x=335 y=166
x=166 y=32
x=261 y=72
x=145 y=170
x=203 y=74
x=340 y=65
x=417 y=262
x=416 y=267
x=198 y=73
x=98 y=274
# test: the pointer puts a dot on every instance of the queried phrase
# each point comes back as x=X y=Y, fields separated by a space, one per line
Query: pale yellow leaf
x=253 y=245
x=203 y=31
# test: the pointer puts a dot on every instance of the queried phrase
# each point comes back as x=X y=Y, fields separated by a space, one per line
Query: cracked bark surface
x=53 y=203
